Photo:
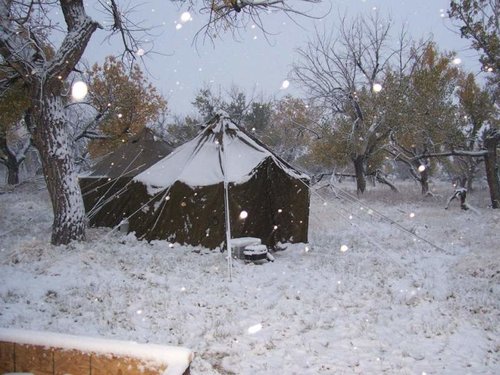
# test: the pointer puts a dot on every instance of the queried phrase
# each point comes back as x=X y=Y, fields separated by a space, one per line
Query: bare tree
x=344 y=71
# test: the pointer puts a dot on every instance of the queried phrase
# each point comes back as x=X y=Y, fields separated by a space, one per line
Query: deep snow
x=363 y=297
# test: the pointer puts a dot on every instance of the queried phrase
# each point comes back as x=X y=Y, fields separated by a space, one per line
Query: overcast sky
x=256 y=65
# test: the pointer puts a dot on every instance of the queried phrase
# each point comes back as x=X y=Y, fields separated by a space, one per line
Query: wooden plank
x=6 y=357
x=34 y=359
x=71 y=362
x=112 y=365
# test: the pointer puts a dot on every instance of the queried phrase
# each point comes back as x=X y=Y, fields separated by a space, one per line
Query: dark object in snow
x=250 y=248
x=238 y=245
x=459 y=193
x=255 y=252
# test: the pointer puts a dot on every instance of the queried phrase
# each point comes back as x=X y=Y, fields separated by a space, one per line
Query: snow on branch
x=80 y=29
x=474 y=154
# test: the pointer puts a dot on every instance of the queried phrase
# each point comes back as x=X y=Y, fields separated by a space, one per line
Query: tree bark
x=424 y=182
x=50 y=138
x=10 y=161
x=490 y=162
x=12 y=174
x=359 y=170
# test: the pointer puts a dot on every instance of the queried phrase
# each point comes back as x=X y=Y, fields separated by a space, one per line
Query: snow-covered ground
x=389 y=303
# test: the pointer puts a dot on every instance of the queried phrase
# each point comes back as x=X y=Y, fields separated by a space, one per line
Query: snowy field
x=389 y=303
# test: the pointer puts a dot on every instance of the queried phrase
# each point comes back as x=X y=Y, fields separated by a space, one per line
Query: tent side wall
x=107 y=201
x=277 y=205
x=181 y=214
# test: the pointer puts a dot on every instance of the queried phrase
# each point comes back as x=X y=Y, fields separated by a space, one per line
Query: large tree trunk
x=490 y=162
x=359 y=170
x=53 y=143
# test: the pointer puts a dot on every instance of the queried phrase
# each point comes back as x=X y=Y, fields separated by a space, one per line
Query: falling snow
x=79 y=90
x=377 y=87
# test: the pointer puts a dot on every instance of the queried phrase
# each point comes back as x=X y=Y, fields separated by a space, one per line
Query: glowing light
x=178 y=26
x=344 y=248
x=457 y=61
x=280 y=210
x=377 y=87
x=183 y=289
x=412 y=214
x=243 y=214
x=275 y=227
x=285 y=84
x=120 y=115
x=167 y=198
x=255 y=328
x=186 y=17
x=489 y=69
x=139 y=312
x=421 y=168
x=79 y=90
x=140 y=52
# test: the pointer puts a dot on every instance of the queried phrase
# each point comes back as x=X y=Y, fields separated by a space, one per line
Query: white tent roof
x=201 y=161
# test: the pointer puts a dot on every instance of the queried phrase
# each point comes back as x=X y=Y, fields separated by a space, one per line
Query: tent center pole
x=226 y=207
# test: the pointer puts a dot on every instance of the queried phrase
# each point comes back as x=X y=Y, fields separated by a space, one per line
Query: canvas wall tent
x=110 y=177
x=182 y=197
